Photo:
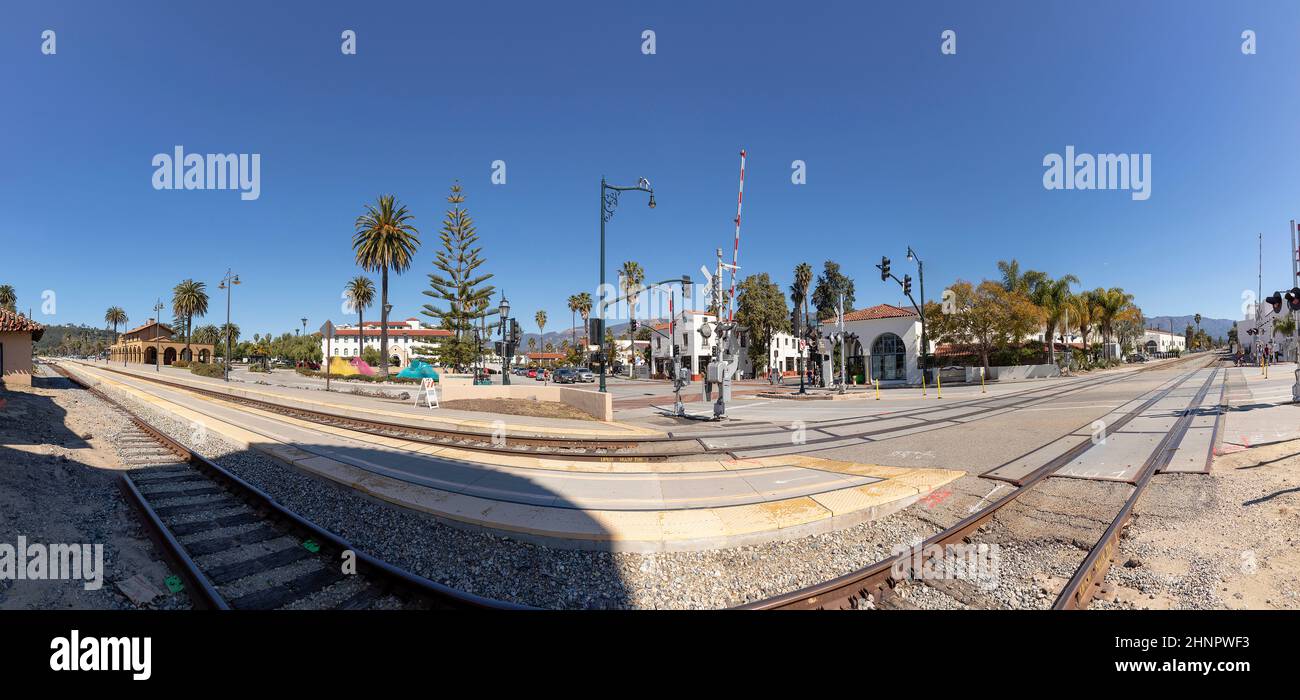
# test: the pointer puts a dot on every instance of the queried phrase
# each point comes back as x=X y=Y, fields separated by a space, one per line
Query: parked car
x=532 y=373
x=566 y=375
x=1137 y=357
x=542 y=375
x=585 y=375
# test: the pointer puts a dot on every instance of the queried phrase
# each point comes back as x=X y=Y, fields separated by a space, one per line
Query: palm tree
x=360 y=293
x=228 y=335
x=385 y=240
x=115 y=315
x=573 y=310
x=8 y=298
x=207 y=335
x=1053 y=297
x=799 y=297
x=631 y=277
x=540 y=318
x=1110 y=302
x=584 y=310
x=1198 y=323
x=189 y=298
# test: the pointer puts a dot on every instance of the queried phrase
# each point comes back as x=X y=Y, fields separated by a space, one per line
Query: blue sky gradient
x=903 y=145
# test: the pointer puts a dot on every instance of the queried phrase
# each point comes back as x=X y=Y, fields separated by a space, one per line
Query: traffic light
x=907 y=285
x=1276 y=301
x=634 y=325
x=516 y=333
x=884 y=268
x=1293 y=299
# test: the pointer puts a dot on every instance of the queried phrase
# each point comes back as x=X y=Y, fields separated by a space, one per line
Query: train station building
x=17 y=334
x=143 y=345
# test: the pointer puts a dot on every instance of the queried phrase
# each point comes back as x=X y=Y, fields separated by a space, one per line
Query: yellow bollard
x=938 y=380
x=877 y=383
x=982 y=380
x=923 y=383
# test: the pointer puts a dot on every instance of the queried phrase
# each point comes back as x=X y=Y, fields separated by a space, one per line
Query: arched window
x=888 y=358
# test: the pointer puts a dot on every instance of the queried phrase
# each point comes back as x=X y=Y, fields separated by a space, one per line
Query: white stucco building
x=404 y=338
x=1155 y=340
x=887 y=346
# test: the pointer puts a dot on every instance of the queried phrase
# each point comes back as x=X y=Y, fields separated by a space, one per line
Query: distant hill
x=1214 y=327
x=557 y=337
x=55 y=335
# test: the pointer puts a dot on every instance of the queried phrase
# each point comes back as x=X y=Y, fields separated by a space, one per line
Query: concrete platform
x=1260 y=409
x=662 y=506
x=405 y=412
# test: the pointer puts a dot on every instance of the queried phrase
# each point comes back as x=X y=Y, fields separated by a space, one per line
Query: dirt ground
x=58 y=484
x=1230 y=539
x=519 y=407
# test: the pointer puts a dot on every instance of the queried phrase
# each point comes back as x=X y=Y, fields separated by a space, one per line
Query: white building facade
x=887 y=348
x=1155 y=341
x=406 y=340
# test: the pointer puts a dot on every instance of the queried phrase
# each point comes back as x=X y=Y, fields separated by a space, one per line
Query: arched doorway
x=169 y=356
x=888 y=358
x=857 y=363
x=150 y=356
x=187 y=355
x=203 y=356
x=1151 y=346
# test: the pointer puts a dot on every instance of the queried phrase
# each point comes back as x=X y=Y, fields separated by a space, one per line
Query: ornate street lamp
x=506 y=350
x=608 y=202
x=230 y=280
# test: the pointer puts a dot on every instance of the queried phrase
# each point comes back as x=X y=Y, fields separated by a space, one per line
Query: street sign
x=327 y=330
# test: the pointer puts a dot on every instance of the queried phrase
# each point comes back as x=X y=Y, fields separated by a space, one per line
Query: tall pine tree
x=457 y=284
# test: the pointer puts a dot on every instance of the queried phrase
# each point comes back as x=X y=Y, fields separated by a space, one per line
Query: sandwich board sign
x=429 y=389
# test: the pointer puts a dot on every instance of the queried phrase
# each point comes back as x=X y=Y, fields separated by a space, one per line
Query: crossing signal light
x=907 y=285
x=1293 y=299
x=884 y=268
x=1276 y=301
x=634 y=325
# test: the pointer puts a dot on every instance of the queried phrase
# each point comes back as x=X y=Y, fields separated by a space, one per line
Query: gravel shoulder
x=58 y=485
x=1229 y=539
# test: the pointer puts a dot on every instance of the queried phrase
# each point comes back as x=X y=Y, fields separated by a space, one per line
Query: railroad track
x=876 y=582
x=650 y=449
x=235 y=547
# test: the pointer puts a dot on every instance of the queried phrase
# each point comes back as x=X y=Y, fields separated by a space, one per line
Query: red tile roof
x=11 y=322
x=875 y=312
x=545 y=355
x=397 y=332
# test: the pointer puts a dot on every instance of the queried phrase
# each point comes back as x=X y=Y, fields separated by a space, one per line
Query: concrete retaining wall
x=1023 y=372
x=599 y=406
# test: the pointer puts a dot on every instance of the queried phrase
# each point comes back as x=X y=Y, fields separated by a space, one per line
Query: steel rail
x=1087 y=579
x=437 y=594
x=850 y=590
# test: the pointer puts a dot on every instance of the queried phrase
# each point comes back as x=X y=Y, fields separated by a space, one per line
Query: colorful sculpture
x=418 y=370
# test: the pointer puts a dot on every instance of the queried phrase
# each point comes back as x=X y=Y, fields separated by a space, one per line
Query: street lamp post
x=507 y=352
x=230 y=280
x=608 y=202
x=920 y=274
x=157 y=336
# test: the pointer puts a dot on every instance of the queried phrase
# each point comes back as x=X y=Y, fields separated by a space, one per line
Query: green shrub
x=181 y=364
x=206 y=370
x=255 y=367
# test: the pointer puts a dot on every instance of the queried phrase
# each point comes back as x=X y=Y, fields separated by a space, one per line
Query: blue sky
x=903 y=145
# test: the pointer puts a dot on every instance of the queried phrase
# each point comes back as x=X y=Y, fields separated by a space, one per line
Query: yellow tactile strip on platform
x=641 y=530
